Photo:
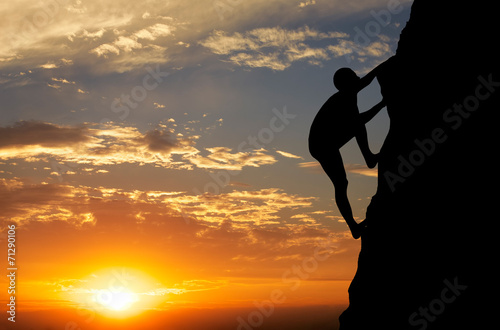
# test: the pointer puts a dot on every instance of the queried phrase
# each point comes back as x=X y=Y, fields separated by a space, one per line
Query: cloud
x=131 y=42
x=113 y=144
x=238 y=184
x=224 y=158
x=54 y=86
x=123 y=37
x=96 y=283
x=24 y=202
x=275 y=48
x=48 y=66
x=34 y=133
x=62 y=80
x=362 y=170
x=46 y=27
x=260 y=207
x=105 y=49
x=313 y=167
x=39 y=35
x=278 y=48
x=95 y=144
x=288 y=155
x=209 y=234
x=201 y=285
x=160 y=141
x=307 y=3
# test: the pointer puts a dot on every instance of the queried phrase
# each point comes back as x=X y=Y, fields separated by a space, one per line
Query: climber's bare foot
x=357 y=229
x=356 y=233
x=372 y=161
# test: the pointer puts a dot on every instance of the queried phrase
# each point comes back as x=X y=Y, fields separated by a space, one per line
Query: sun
x=115 y=292
x=121 y=300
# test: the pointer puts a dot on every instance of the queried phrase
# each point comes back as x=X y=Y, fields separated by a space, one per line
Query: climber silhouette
x=336 y=123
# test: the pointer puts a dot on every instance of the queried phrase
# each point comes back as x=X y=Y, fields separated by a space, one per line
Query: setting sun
x=117 y=301
x=114 y=292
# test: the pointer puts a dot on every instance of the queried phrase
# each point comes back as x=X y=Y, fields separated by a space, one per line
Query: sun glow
x=115 y=292
x=116 y=301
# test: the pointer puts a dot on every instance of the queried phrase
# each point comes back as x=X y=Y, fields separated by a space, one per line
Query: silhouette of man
x=336 y=123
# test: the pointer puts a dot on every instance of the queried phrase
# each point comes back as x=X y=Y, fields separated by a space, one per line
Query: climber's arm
x=369 y=114
x=366 y=80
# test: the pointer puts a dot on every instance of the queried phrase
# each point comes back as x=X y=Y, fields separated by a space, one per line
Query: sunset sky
x=153 y=157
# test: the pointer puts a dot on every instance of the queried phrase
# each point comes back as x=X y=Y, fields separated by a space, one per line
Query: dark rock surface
x=428 y=256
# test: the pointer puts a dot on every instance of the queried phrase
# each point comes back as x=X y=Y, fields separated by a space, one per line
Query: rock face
x=426 y=260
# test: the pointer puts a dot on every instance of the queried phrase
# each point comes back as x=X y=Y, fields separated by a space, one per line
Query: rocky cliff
x=427 y=258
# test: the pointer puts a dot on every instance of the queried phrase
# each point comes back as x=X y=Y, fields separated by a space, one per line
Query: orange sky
x=87 y=247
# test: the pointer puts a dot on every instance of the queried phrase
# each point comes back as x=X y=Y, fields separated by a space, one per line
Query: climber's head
x=345 y=79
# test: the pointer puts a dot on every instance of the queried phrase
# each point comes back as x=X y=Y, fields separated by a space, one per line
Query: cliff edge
x=426 y=259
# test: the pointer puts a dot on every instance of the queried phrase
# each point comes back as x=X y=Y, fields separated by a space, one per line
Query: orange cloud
x=362 y=170
x=224 y=158
x=315 y=167
x=288 y=155
x=111 y=144
x=199 y=247
x=275 y=47
x=25 y=202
